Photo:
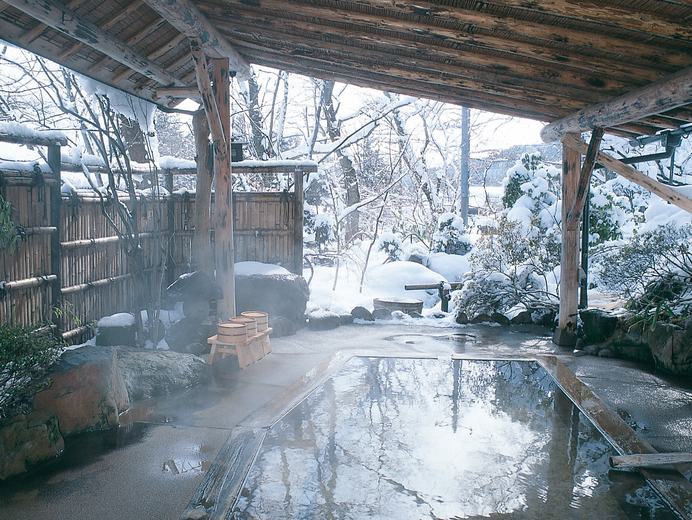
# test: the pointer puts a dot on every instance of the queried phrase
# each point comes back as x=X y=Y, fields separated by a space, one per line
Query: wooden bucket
x=262 y=319
x=250 y=325
x=232 y=333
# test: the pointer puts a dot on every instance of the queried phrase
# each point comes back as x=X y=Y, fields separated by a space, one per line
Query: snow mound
x=452 y=267
x=121 y=319
x=250 y=268
x=389 y=280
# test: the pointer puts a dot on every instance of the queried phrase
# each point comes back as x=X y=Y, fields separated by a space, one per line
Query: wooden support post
x=581 y=208
x=55 y=248
x=224 y=251
x=298 y=222
x=201 y=245
x=566 y=332
x=170 y=232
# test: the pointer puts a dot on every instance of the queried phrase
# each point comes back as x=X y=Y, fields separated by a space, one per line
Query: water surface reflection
x=412 y=438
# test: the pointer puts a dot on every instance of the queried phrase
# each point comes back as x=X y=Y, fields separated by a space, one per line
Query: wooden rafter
x=73 y=25
x=444 y=39
x=156 y=54
x=664 y=191
x=189 y=20
x=669 y=93
x=106 y=23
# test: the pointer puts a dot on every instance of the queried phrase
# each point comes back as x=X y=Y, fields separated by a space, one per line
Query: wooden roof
x=537 y=59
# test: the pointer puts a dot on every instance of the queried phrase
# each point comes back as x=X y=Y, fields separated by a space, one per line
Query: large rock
x=26 y=440
x=361 y=313
x=282 y=327
x=323 y=320
x=148 y=373
x=671 y=347
x=86 y=392
x=598 y=325
x=276 y=294
x=188 y=335
x=195 y=286
x=117 y=329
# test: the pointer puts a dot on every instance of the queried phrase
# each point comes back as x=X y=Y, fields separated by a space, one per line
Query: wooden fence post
x=170 y=215
x=566 y=332
x=55 y=247
x=298 y=222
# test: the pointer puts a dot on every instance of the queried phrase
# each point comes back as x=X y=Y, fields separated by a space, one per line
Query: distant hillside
x=499 y=162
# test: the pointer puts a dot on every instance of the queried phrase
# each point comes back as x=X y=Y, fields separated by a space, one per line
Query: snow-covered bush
x=25 y=357
x=510 y=269
x=606 y=216
x=391 y=245
x=518 y=175
x=531 y=198
x=653 y=271
x=450 y=236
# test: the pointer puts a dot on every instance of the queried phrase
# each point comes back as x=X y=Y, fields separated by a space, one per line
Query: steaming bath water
x=412 y=438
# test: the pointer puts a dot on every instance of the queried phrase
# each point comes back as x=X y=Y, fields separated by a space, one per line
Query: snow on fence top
x=13 y=132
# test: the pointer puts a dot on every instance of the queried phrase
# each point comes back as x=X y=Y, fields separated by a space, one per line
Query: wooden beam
x=575 y=211
x=671 y=92
x=507 y=74
x=178 y=92
x=133 y=40
x=664 y=191
x=105 y=23
x=201 y=246
x=38 y=29
x=224 y=251
x=189 y=20
x=208 y=97
x=566 y=332
x=355 y=75
x=154 y=55
x=649 y=460
x=70 y=23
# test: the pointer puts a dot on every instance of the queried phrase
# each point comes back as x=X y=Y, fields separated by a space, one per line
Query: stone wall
x=622 y=335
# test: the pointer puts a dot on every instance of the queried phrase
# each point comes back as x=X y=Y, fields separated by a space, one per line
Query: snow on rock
x=452 y=267
x=389 y=280
x=251 y=268
x=121 y=319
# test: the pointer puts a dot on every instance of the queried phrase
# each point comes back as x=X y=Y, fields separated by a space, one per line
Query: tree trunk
x=348 y=172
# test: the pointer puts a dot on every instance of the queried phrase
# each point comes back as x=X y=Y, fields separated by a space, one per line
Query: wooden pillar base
x=565 y=337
